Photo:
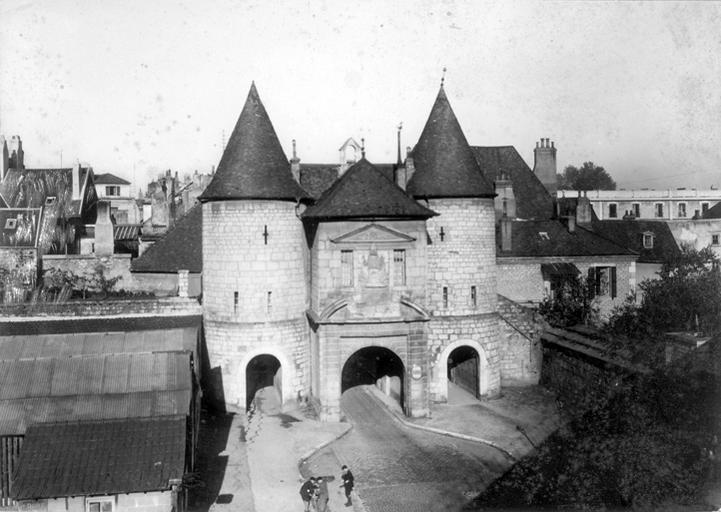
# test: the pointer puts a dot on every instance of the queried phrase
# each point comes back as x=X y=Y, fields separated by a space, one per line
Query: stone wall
x=465 y=257
x=520 y=347
x=18 y=272
x=87 y=265
x=480 y=332
x=154 y=501
x=170 y=306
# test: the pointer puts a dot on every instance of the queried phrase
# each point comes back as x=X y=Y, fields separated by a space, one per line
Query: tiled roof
x=84 y=458
x=317 y=178
x=445 y=165
x=532 y=199
x=714 y=212
x=93 y=387
x=552 y=238
x=253 y=165
x=364 y=192
x=179 y=249
x=3 y=203
x=629 y=234
x=19 y=227
x=109 y=179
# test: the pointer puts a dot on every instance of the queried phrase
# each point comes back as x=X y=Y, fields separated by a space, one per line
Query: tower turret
x=254 y=265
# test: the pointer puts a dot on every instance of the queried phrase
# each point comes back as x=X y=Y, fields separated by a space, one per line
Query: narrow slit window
x=474 y=297
x=269 y=303
x=235 y=302
x=399 y=267
x=346 y=264
x=445 y=297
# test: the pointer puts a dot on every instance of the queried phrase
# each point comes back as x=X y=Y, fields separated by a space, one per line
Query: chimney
x=104 y=239
x=544 y=165
x=76 y=181
x=584 y=214
x=5 y=163
x=295 y=165
x=506 y=234
x=505 y=200
x=410 y=168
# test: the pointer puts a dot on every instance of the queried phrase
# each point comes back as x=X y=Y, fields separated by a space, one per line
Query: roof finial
x=400 y=127
x=363 y=148
x=443 y=77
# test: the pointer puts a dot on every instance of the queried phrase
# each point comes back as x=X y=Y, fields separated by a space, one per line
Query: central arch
x=378 y=366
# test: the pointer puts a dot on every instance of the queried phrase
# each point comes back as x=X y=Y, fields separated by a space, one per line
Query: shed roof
x=445 y=165
x=365 y=192
x=253 y=165
x=179 y=249
x=84 y=458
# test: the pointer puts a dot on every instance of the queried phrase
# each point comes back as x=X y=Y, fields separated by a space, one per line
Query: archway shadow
x=378 y=366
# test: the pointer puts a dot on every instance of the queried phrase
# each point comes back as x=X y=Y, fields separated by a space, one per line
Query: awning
x=559 y=269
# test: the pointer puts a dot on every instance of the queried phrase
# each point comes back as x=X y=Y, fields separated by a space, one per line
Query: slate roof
x=93 y=387
x=528 y=240
x=532 y=199
x=365 y=192
x=181 y=248
x=85 y=458
x=713 y=212
x=109 y=179
x=253 y=165
x=19 y=227
x=629 y=233
x=444 y=162
x=317 y=178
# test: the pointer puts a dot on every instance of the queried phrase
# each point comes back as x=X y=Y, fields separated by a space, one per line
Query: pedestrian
x=347 y=479
x=322 y=499
x=306 y=492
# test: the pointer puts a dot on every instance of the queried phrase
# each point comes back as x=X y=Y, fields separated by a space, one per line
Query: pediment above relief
x=373 y=233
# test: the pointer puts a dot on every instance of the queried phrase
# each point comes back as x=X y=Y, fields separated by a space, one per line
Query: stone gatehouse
x=384 y=274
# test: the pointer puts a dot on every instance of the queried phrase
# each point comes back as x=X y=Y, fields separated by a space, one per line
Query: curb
x=307 y=455
x=446 y=433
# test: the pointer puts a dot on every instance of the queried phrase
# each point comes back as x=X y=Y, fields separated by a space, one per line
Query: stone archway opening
x=378 y=366
x=463 y=369
x=263 y=371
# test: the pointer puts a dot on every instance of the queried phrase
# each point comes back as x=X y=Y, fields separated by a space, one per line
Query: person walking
x=322 y=495
x=347 y=479
x=307 y=490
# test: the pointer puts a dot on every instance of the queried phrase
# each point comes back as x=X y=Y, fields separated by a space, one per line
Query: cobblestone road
x=402 y=469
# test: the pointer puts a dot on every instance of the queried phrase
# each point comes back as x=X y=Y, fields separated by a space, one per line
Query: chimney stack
x=505 y=200
x=506 y=234
x=5 y=162
x=104 y=239
x=76 y=181
x=544 y=165
x=295 y=165
x=584 y=215
x=406 y=171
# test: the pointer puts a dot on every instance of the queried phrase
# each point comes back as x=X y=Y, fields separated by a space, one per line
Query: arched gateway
x=262 y=371
x=378 y=366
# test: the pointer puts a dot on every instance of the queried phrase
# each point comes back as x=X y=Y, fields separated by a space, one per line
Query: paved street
x=398 y=468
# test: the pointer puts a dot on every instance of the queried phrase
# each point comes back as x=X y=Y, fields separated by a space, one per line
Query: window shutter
x=613 y=282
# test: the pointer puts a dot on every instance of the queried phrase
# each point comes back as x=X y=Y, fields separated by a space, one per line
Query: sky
x=134 y=87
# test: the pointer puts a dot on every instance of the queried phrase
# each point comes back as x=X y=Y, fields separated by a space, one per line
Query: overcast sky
x=151 y=85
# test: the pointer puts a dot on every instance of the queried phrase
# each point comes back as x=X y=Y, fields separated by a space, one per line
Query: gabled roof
x=85 y=458
x=364 y=192
x=181 y=248
x=20 y=227
x=109 y=179
x=552 y=238
x=532 y=199
x=253 y=165
x=445 y=165
x=629 y=234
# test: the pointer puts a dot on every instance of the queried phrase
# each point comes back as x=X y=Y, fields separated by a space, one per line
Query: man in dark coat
x=307 y=490
x=322 y=500
x=347 y=479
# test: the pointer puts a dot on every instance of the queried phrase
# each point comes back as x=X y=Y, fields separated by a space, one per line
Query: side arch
x=442 y=364
x=287 y=370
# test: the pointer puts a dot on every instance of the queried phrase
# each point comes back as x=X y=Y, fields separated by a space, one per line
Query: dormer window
x=648 y=240
x=11 y=223
x=544 y=235
x=50 y=200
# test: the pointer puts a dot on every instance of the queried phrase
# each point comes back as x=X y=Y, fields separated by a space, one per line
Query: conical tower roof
x=364 y=192
x=253 y=165
x=444 y=162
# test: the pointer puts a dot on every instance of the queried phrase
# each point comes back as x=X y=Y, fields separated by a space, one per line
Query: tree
x=588 y=177
x=570 y=304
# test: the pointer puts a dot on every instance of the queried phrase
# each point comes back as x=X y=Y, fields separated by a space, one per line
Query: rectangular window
x=704 y=207
x=603 y=280
x=658 y=210
x=112 y=191
x=612 y=211
x=99 y=504
x=474 y=297
x=399 y=267
x=715 y=239
x=11 y=223
x=648 y=241
x=346 y=267
x=445 y=297
x=636 y=209
x=681 y=210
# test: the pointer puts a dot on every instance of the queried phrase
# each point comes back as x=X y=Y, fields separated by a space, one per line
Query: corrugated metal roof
x=81 y=344
x=124 y=232
x=93 y=387
x=100 y=457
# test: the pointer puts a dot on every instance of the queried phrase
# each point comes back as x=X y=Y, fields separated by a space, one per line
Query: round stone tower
x=461 y=268
x=255 y=269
